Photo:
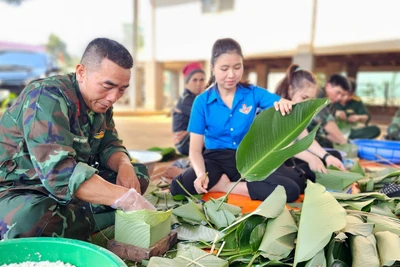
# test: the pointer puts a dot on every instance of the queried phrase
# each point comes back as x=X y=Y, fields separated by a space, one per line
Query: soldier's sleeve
x=110 y=142
x=323 y=117
x=50 y=143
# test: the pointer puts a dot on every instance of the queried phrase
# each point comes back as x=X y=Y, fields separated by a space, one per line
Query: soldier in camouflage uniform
x=351 y=110
x=329 y=133
x=60 y=156
x=393 y=130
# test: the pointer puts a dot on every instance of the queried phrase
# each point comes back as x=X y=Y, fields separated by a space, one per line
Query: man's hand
x=127 y=177
x=132 y=200
x=201 y=184
x=340 y=114
x=353 y=118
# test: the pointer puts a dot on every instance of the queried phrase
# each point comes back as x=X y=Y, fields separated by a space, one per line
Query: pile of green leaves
x=332 y=229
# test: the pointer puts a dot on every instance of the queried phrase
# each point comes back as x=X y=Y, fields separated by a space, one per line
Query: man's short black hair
x=340 y=80
x=353 y=85
x=101 y=48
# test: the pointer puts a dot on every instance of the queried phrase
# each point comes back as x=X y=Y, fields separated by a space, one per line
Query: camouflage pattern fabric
x=323 y=117
x=393 y=130
x=48 y=147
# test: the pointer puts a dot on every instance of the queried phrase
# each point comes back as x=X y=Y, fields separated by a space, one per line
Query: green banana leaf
x=220 y=217
x=338 y=253
x=359 y=196
x=384 y=223
x=267 y=143
x=385 y=208
x=279 y=238
x=244 y=232
x=364 y=205
x=195 y=233
x=337 y=180
x=190 y=211
x=318 y=260
x=162 y=262
x=388 y=247
x=321 y=216
x=364 y=251
x=357 y=168
x=350 y=149
x=142 y=228
x=356 y=226
x=193 y=256
x=271 y=207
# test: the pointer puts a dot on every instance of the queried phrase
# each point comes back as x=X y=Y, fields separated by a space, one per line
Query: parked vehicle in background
x=18 y=68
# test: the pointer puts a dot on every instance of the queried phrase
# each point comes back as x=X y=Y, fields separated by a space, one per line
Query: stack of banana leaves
x=331 y=228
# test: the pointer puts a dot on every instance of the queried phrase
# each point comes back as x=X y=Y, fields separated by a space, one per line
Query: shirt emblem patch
x=99 y=135
x=245 y=109
x=80 y=139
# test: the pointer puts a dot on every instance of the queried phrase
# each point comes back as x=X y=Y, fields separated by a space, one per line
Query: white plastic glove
x=132 y=200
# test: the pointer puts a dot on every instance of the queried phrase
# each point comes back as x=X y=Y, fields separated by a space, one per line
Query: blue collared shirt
x=222 y=127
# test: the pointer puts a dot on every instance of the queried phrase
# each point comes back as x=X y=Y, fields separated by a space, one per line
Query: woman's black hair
x=296 y=78
x=222 y=46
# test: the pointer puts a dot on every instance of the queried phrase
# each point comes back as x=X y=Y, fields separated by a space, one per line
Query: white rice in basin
x=38 y=264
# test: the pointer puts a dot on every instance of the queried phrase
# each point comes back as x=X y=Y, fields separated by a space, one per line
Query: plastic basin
x=148 y=158
x=378 y=150
x=78 y=253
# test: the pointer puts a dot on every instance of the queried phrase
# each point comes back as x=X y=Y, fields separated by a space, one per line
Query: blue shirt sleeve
x=265 y=97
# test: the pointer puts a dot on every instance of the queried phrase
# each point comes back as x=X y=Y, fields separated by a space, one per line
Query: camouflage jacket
x=47 y=138
x=323 y=117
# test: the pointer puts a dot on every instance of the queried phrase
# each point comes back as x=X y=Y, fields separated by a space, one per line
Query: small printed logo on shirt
x=80 y=139
x=99 y=135
x=245 y=109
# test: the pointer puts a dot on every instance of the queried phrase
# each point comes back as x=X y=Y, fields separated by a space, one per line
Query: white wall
x=344 y=22
x=183 y=32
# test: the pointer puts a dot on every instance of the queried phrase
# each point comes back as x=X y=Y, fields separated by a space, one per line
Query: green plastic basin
x=78 y=253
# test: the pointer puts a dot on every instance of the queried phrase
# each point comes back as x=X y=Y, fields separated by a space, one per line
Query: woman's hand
x=316 y=165
x=284 y=106
x=201 y=184
x=334 y=161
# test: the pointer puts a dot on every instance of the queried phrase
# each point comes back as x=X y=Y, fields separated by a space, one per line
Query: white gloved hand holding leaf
x=132 y=200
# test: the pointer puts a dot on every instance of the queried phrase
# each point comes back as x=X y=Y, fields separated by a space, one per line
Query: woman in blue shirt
x=220 y=118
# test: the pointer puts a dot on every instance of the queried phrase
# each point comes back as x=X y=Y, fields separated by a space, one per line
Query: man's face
x=334 y=93
x=346 y=98
x=102 y=87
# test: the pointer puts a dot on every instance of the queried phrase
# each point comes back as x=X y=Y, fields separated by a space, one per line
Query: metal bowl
x=148 y=158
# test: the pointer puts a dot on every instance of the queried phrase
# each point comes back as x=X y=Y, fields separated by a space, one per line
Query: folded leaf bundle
x=142 y=228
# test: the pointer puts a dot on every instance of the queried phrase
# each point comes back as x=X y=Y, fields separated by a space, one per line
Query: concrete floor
x=143 y=132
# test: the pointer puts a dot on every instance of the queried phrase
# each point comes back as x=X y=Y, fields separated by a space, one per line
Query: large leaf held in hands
x=266 y=145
